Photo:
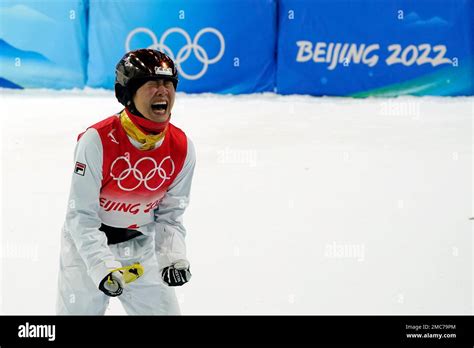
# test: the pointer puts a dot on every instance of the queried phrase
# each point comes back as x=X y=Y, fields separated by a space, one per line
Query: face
x=155 y=99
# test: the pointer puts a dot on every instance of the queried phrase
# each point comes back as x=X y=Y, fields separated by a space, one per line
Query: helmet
x=139 y=66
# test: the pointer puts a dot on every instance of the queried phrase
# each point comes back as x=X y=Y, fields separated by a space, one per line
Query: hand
x=113 y=284
x=177 y=274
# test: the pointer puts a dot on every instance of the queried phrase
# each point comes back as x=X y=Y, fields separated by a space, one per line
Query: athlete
x=124 y=234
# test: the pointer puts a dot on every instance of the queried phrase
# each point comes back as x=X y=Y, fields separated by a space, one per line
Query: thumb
x=181 y=264
x=118 y=277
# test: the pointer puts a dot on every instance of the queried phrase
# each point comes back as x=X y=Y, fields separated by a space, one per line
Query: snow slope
x=300 y=205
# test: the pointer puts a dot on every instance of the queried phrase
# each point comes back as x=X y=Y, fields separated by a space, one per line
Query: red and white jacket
x=117 y=184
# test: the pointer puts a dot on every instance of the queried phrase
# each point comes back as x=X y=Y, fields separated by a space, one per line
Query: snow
x=300 y=205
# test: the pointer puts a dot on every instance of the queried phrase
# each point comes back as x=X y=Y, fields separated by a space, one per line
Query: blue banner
x=220 y=47
x=376 y=48
x=43 y=44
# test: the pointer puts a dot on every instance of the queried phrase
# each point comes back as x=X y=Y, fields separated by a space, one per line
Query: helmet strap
x=131 y=107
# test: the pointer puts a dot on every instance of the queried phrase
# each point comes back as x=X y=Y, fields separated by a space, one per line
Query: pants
x=148 y=295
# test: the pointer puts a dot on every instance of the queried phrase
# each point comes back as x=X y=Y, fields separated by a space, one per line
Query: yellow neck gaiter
x=148 y=141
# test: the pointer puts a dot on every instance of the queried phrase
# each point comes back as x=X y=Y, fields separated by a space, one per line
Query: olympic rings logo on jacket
x=139 y=176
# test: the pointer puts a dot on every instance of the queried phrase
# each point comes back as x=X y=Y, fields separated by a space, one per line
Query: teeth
x=161 y=103
x=160 y=106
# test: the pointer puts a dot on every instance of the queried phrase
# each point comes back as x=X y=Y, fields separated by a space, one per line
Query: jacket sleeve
x=170 y=233
x=82 y=217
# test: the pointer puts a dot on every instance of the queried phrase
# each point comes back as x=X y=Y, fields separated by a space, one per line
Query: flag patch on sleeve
x=80 y=168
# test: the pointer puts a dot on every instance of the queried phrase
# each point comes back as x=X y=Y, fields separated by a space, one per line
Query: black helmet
x=139 y=66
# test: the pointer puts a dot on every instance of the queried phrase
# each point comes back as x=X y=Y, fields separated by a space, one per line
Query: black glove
x=113 y=284
x=177 y=274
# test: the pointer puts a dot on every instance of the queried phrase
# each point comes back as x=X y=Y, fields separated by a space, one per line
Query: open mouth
x=160 y=107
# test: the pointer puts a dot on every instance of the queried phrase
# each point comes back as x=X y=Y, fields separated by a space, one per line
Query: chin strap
x=148 y=141
x=131 y=107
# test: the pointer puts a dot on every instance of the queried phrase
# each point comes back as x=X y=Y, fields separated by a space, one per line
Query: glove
x=114 y=283
x=177 y=274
